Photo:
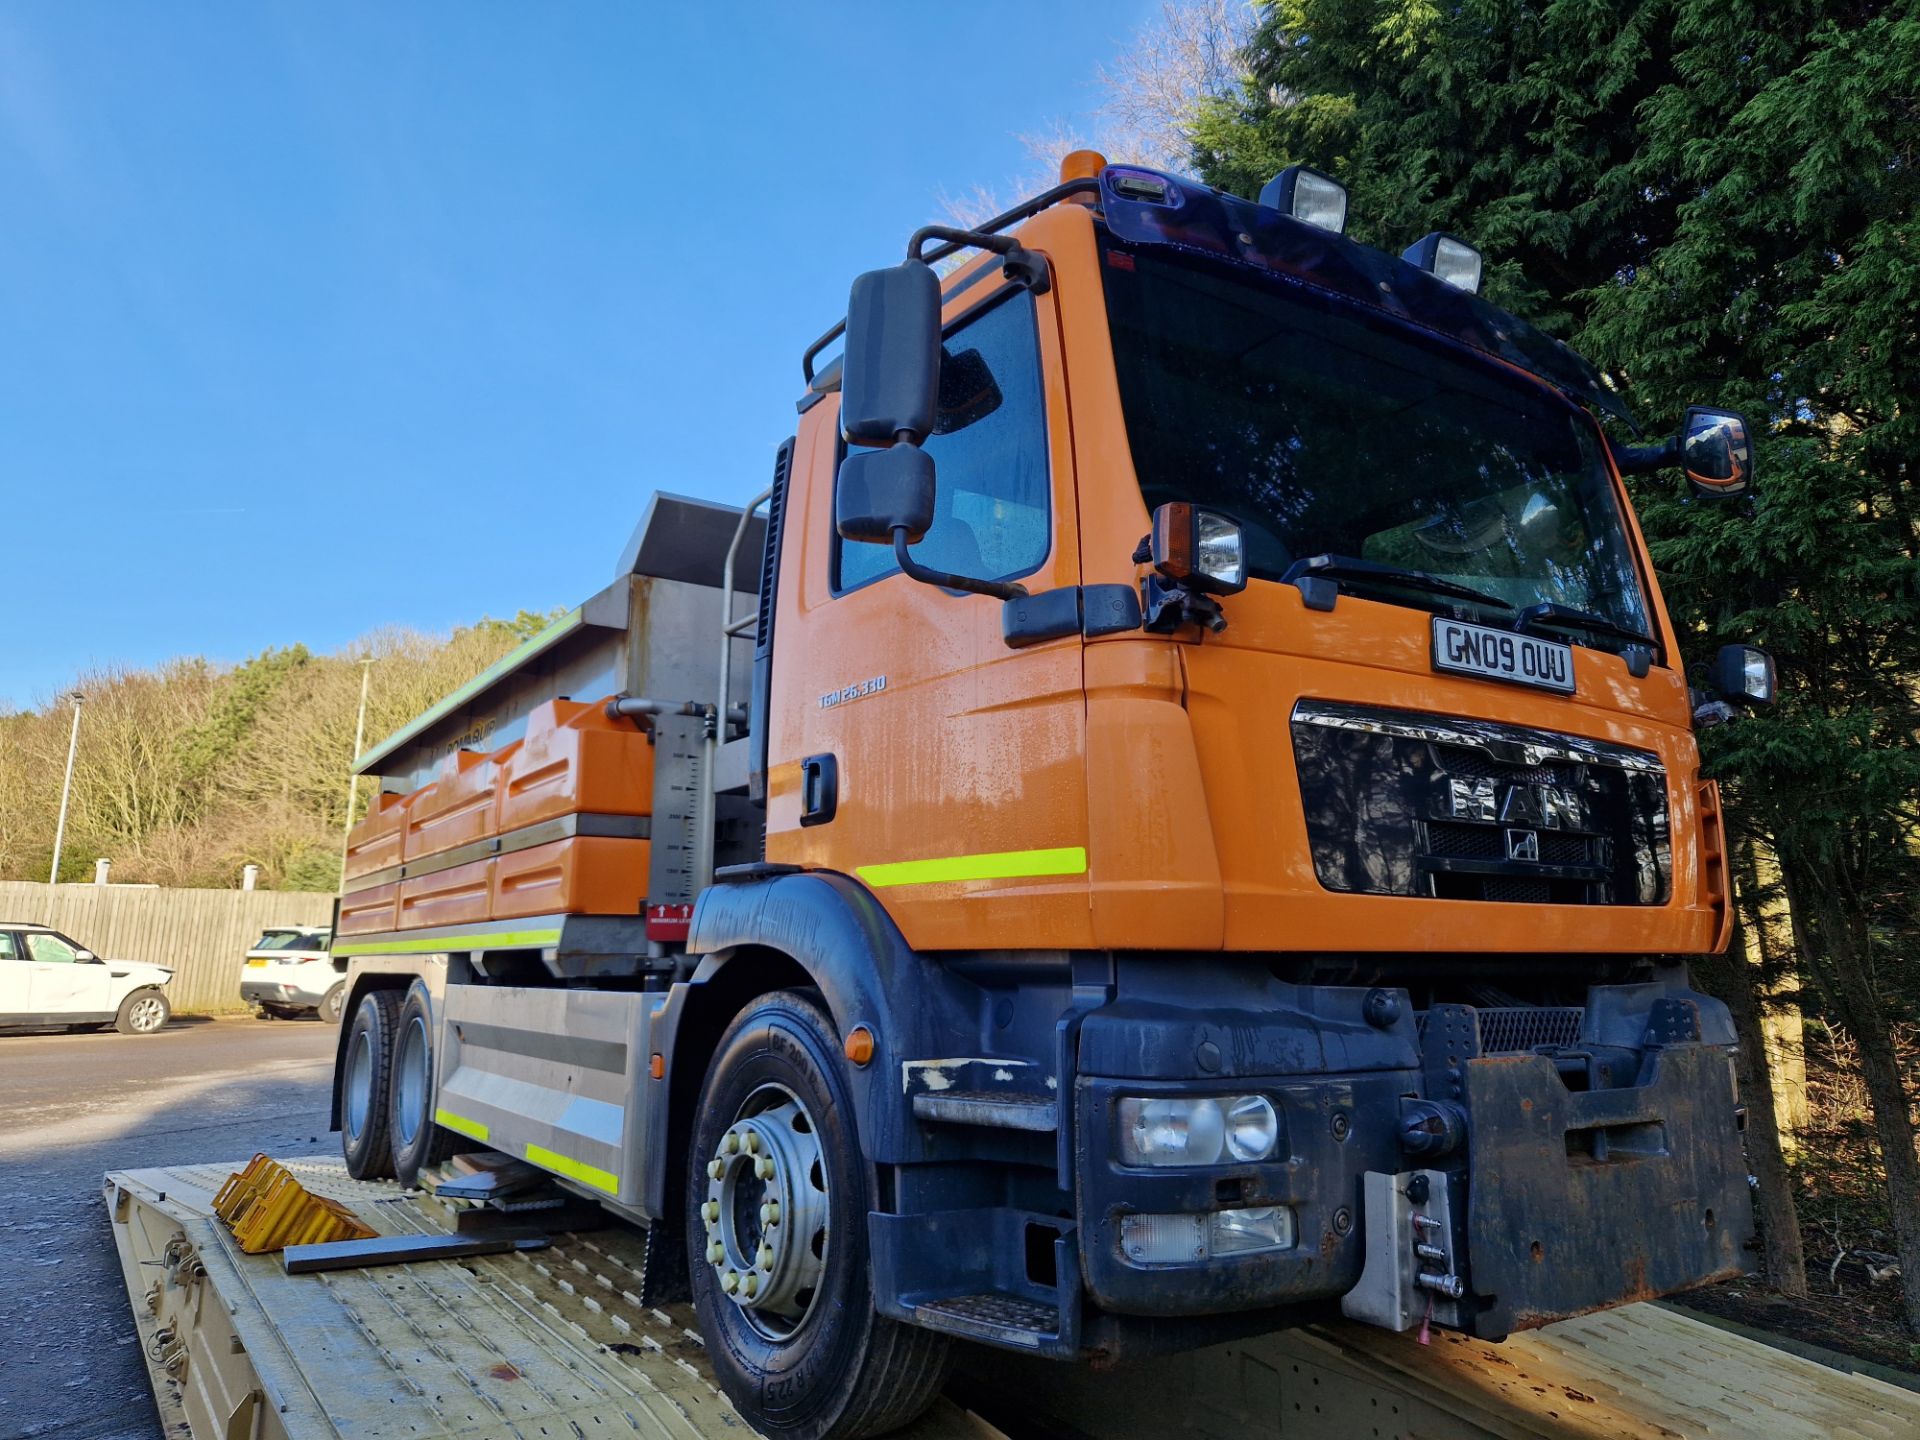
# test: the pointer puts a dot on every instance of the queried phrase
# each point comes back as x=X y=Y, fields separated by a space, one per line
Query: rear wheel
x=331 y=1003
x=365 y=1066
x=777 y=1199
x=142 y=1013
x=418 y=1143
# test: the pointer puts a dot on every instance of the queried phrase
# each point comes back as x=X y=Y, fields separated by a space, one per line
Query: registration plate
x=1492 y=654
x=256 y=964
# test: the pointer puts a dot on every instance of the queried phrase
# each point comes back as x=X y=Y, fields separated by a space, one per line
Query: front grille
x=1524 y=892
x=1450 y=840
x=1465 y=761
x=1404 y=804
x=1517 y=1029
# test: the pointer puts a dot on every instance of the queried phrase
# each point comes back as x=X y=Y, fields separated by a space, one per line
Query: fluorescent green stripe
x=459 y=1122
x=574 y=1169
x=1002 y=865
x=519 y=655
x=430 y=944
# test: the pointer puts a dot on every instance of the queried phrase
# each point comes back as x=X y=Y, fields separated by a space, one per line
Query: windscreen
x=1327 y=432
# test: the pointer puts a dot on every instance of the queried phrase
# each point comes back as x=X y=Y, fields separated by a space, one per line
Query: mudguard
x=834 y=930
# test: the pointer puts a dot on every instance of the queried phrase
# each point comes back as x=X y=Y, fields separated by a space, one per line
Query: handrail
x=730 y=627
x=1026 y=210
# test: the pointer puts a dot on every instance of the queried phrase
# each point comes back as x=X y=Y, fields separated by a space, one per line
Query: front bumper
x=1575 y=1176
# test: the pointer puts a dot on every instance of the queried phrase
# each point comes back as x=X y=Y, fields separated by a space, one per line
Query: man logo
x=1523 y=845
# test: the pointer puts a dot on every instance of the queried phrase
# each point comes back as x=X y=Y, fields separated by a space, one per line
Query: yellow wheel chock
x=270 y=1210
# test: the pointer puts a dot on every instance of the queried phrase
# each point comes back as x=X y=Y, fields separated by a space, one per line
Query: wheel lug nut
x=730 y=1282
x=716 y=1252
x=710 y=1211
x=731 y=1144
x=770 y=1213
x=753 y=1142
x=765 y=1257
x=715 y=1169
x=750 y=1285
x=763 y=1167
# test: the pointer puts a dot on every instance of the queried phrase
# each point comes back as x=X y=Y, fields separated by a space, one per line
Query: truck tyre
x=418 y=1143
x=142 y=1013
x=365 y=1066
x=331 y=1003
x=777 y=1197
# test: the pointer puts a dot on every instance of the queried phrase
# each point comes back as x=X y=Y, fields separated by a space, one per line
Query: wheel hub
x=766 y=1211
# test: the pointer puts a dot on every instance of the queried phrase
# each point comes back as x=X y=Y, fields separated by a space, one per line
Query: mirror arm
x=914 y=570
x=1643 y=459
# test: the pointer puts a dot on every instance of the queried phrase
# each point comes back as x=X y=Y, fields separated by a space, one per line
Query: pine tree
x=1715 y=201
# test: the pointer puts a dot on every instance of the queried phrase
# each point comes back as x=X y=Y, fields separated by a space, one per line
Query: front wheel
x=142 y=1013
x=777 y=1199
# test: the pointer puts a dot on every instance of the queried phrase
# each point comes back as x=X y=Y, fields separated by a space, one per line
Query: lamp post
x=353 y=782
x=66 y=789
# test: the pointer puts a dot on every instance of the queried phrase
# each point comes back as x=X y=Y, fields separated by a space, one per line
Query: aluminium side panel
x=552 y=1076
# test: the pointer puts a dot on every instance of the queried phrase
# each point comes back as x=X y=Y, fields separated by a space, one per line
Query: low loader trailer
x=556 y=1342
x=1174 y=818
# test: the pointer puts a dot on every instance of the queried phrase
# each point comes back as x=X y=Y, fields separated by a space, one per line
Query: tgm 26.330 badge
x=849 y=693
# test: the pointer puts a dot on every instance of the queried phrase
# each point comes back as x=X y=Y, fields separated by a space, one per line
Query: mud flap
x=1581 y=1200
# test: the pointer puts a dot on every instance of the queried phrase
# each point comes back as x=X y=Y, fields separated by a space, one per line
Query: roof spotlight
x=1446 y=257
x=1307 y=195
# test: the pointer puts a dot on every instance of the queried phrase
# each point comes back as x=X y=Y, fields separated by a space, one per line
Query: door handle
x=819 y=789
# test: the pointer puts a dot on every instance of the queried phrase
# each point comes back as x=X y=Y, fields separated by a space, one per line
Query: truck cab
x=1211 y=841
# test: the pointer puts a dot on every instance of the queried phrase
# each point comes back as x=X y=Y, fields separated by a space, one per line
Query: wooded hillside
x=191 y=770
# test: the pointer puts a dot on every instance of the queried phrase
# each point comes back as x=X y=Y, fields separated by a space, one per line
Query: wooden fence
x=202 y=934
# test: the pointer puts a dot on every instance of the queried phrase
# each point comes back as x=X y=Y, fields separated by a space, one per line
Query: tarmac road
x=73 y=1107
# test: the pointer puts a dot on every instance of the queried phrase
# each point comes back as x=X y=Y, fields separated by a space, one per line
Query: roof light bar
x=1308 y=196
x=1446 y=257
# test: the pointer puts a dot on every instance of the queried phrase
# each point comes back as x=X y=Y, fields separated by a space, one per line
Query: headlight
x=1252 y=1127
x=1197 y=1130
x=1203 y=550
x=1219 y=551
x=1192 y=1239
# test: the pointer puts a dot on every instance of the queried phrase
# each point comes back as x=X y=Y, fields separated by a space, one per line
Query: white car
x=47 y=980
x=289 y=970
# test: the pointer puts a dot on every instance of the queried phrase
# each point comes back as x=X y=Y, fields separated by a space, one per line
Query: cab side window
x=992 y=511
x=50 y=950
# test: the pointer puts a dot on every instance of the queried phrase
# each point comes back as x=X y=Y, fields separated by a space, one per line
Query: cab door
x=909 y=746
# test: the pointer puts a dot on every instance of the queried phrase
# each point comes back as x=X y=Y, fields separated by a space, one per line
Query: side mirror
x=84 y=955
x=1744 y=675
x=1716 y=452
x=889 y=396
x=1714 y=447
x=880 y=491
x=890 y=376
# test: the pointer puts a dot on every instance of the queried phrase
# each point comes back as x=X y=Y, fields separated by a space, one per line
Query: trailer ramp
x=553 y=1345
x=536 y=1345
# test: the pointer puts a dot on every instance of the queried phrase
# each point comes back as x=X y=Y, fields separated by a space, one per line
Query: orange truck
x=1181 y=818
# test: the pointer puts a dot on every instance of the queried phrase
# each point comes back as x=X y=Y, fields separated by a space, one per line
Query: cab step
x=996 y=1111
x=1006 y=1320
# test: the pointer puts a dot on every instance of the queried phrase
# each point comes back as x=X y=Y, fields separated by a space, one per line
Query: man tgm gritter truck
x=1180 y=819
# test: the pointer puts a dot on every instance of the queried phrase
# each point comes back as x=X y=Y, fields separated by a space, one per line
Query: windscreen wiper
x=1549 y=616
x=1347 y=567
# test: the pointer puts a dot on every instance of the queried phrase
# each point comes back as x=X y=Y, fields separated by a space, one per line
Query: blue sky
x=319 y=317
